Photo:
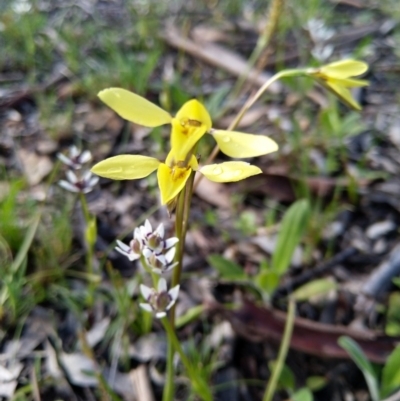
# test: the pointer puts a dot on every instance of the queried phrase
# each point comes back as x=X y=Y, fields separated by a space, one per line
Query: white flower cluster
x=78 y=180
x=158 y=254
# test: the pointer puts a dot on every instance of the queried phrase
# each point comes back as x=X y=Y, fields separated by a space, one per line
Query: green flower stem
x=283 y=350
x=169 y=388
x=250 y=102
x=186 y=213
x=260 y=92
x=85 y=208
x=199 y=386
x=181 y=225
x=155 y=277
x=90 y=249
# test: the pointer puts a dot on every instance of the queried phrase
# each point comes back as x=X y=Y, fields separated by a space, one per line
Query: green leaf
x=23 y=251
x=396 y=281
x=393 y=315
x=267 y=281
x=286 y=379
x=192 y=314
x=315 y=383
x=226 y=268
x=391 y=373
x=304 y=394
x=315 y=287
x=293 y=225
x=359 y=358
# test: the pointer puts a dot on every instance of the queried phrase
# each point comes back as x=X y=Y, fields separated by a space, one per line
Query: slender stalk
x=246 y=107
x=169 y=389
x=90 y=243
x=259 y=93
x=186 y=212
x=199 y=386
x=85 y=208
x=181 y=226
x=283 y=350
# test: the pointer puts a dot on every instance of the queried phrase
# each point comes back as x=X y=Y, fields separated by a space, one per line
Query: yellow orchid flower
x=337 y=77
x=172 y=175
x=188 y=126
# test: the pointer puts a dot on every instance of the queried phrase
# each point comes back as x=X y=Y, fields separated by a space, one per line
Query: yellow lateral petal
x=134 y=108
x=343 y=94
x=348 y=82
x=237 y=144
x=171 y=181
x=229 y=171
x=344 y=68
x=126 y=167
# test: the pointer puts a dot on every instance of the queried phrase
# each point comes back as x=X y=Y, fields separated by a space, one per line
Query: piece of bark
x=267 y=324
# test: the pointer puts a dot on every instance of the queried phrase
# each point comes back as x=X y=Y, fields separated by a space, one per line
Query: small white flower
x=154 y=240
x=85 y=183
x=76 y=158
x=158 y=252
x=159 y=301
x=131 y=251
x=160 y=263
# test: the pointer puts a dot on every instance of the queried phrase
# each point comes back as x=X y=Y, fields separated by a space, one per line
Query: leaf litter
x=362 y=239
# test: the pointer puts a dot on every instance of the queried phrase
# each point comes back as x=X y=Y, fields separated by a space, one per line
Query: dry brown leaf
x=281 y=186
x=80 y=369
x=99 y=119
x=206 y=33
x=214 y=193
x=264 y=324
x=35 y=167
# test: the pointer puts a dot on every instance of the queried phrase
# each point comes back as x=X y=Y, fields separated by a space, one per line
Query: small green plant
x=175 y=176
x=380 y=384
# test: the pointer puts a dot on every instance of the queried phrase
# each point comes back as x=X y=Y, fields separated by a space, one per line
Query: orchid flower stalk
x=175 y=175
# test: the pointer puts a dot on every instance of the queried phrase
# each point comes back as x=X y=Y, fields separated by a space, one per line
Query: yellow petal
x=347 y=82
x=134 y=108
x=229 y=171
x=195 y=111
x=185 y=137
x=343 y=94
x=171 y=181
x=190 y=124
x=126 y=167
x=344 y=68
x=237 y=144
